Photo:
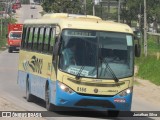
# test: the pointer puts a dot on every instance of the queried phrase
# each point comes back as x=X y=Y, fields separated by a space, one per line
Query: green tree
x=89 y=7
x=153 y=14
x=130 y=10
x=25 y=1
x=66 y=6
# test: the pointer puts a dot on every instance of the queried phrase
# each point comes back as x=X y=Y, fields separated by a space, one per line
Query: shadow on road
x=78 y=112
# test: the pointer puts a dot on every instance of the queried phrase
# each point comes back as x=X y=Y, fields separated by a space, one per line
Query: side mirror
x=137 y=50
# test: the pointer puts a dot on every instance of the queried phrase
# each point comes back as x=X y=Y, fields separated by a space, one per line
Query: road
x=25 y=13
x=13 y=98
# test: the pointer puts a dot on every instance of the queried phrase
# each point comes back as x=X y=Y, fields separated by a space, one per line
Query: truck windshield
x=15 y=35
x=92 y=50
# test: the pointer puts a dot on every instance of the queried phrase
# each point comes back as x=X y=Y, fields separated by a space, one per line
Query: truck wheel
x=29 y=96
x=9 y=50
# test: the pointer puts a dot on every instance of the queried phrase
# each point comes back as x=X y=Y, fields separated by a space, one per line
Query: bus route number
x=81 y=89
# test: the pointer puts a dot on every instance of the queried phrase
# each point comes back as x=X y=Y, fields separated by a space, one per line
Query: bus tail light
x=65 y=88
x=126 y=92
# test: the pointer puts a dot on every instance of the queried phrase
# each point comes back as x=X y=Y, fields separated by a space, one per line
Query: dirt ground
x=147 y=90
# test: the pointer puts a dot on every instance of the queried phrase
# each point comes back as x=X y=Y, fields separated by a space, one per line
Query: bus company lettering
x=36 y=64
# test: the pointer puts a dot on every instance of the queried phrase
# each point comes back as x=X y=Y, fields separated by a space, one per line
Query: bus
x=78 y=61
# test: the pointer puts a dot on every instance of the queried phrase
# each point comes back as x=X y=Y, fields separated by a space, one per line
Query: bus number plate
x=81 y=89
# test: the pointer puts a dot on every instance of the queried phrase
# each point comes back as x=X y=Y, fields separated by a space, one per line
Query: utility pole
x=93 y=7
x=1 y=26
x=85 y=12
x=101 y=10
x=108 y=9
x=119 y=6
x=145 y=29
x=140 y=14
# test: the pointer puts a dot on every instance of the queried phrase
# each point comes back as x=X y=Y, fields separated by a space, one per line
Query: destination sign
x=82 y=33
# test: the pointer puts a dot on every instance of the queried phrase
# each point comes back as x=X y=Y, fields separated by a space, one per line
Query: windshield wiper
x=111 y=71
x=79 y=72
x=102 y=59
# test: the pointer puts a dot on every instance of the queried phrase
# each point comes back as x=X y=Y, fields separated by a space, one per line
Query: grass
x=149 y=67
x=153 y=46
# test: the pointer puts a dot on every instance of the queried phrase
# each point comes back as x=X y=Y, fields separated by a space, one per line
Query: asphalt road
x=11 y=91
x=26 y=13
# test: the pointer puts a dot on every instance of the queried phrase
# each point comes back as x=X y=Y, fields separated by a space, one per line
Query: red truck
x=14 y=6
x=18 y=2
x=14 y=37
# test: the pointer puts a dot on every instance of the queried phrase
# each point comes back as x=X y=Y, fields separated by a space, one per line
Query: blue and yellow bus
x=78 y=61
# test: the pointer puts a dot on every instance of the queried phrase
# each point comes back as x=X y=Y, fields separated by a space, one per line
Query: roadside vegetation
x=149 y=67
x=4 y=31
x=25 y=2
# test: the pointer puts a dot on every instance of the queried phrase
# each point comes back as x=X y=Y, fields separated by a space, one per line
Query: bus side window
x=52 y=40
x=46 y=41
x=23 y=37
x=27 y=37
x=43 y=40
x=40 y=41
x=35 y=39
x=30 y=39
x=49 y=39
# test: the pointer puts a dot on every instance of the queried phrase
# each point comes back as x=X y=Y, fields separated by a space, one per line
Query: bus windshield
x=15 y=35
x=89 y=53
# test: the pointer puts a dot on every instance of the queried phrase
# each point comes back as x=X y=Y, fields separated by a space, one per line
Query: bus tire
x=49 y=106
x=9 y=50
x=29 y=96
x=113 y=113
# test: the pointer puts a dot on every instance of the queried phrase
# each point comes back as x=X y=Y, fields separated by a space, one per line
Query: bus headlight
x=126 y=92
x=65 y=88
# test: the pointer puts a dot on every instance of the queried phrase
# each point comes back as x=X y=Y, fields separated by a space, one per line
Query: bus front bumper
x=16 y=48
x=62 y=98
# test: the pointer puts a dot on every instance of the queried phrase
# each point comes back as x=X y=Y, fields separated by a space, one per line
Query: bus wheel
x=9 y=50
x=113 y=113
x=49 y=106
x=29 y=96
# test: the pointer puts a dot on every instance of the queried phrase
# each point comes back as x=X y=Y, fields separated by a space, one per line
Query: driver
x=69 y=53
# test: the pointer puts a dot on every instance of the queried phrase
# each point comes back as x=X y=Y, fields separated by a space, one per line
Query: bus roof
x=65 y=15
x=86 y=22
